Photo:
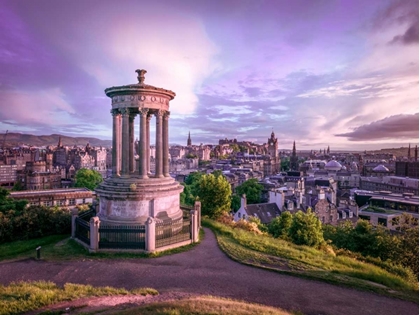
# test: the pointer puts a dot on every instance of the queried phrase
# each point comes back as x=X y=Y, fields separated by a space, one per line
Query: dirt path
x=207 y=270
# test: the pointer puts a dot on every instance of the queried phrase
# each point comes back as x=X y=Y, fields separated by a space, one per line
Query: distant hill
x=398 y=152
x=16 y=139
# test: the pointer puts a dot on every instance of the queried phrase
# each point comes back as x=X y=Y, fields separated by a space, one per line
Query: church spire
x=409 y=151
x=59 y=142
x=189 y=139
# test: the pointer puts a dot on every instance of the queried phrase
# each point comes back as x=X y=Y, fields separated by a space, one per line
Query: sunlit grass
x=201 y=305
x=20 y=297
x=268 y=252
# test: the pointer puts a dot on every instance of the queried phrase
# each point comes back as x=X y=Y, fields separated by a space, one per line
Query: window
x=72 y=202
x=364 y=217
x=383 y=221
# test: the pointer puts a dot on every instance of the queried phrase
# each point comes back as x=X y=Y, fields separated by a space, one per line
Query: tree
x=235 y=202
x=280 y=226
x=9 y=204
x=285 y=164
x=87 y=178
x=214 y=194
x=252 y=189
x=306 y=229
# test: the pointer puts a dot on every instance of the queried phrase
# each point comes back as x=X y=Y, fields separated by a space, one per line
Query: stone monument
x=130 y=195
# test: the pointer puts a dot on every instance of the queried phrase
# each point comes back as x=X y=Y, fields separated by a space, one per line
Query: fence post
x=150 y=235
x=94 y=234
x=194 y=226
x=197 y=206
x=74 y=215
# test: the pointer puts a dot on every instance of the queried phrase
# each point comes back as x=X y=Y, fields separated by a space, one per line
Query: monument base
x=131 y=200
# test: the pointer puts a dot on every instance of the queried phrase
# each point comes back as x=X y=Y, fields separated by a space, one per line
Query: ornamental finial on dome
x=141 y=74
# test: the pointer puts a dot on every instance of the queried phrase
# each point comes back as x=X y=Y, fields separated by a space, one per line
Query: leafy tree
x=87 y=178
x=17 y=186
x=188 y=196
x=193 y=177
x=235 y=148
x=280 y=226
x=214 y=194
x=217 y=173
x=252 y=189
x=306 y=229
x=285 y=164
x=235 y=202
x=401 y=248
x=9 y=204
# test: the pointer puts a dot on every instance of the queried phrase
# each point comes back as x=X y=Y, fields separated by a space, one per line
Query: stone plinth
x=133 y=200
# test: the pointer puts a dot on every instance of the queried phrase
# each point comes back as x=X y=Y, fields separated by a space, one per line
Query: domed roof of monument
x=333 y=165
x=137 y=87
x=380 y=168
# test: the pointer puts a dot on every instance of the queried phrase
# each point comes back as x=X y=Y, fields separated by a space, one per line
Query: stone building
x=325 y=210
x=63 y=198
x=8 y=175
x=37 y=177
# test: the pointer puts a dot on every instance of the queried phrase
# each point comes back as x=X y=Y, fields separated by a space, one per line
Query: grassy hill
x=15 y=139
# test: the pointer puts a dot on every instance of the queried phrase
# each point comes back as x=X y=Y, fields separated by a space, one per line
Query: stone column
x=131 y=147
x=125 y=141
x=74 y=215
x=94 y=234
x=150 y=235
x=197 y=207
x=165 y=144
x=143 y=143
x=159 y=143
x=149 y=117
x=116 y=130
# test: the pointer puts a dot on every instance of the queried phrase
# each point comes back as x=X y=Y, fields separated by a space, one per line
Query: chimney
x=321 y=194
x=243 y=201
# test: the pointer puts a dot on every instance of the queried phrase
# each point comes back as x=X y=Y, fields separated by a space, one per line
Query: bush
x=33 y=222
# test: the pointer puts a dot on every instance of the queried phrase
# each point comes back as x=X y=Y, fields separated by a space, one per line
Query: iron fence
x=120 y=236
x=172 y=232
x=83 y=230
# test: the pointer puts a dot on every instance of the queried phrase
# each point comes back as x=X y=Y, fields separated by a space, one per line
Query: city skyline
x=320 y=73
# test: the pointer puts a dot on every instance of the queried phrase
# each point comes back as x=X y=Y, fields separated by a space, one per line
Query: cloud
x=411 y=36
x=394 y=127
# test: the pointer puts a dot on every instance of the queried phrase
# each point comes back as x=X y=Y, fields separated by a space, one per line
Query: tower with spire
x=294 y=159
x=409 y=151
x=189 y=143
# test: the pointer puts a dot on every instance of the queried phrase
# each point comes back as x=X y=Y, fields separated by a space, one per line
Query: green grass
x=20 y=297
x=19 y=248
x=62 y=247
x=285 y=257
x=200 y=305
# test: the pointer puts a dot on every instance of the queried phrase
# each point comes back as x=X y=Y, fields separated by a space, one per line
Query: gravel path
x=207 y=270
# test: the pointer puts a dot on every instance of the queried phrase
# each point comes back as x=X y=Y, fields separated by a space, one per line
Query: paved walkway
x=207 y=270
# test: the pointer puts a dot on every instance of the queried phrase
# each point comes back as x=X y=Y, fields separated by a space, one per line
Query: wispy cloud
x=398 y=126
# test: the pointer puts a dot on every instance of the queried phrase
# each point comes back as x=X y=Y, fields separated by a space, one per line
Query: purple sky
x=338 y=73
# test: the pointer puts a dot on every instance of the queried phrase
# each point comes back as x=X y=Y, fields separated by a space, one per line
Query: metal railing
x=120 y=236
x=172 y=232
x=83 y=230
